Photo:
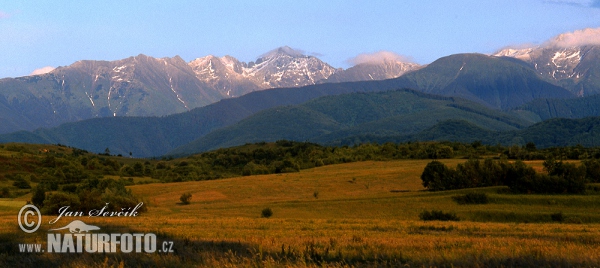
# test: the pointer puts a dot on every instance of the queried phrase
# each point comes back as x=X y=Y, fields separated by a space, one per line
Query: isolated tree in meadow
x=185 y=198
x=39 y=195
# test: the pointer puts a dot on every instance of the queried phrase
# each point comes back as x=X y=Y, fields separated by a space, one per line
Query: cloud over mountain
x=589 y=36
x=43 y=70
x=378 y=58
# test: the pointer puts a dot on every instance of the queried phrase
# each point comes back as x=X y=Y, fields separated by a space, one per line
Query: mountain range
x=510 y=79
x=147 y=86
x=153 y=107
x=569 y=60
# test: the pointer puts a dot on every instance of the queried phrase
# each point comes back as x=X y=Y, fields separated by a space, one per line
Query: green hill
x=497 y=82
x=557 y=132
x=543 y=109
x=331 y=118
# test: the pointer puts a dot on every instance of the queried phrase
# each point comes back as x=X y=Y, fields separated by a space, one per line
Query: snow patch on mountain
x=281 y=67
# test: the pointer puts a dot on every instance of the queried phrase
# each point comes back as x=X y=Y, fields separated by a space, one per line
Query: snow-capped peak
x=519 y=53
x=283 y=51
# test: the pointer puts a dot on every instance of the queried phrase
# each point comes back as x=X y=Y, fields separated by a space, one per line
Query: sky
x=37 y=34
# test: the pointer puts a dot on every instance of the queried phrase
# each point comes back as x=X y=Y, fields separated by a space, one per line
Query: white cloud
x=589 y=36
x=43 y=70
x=378 y=57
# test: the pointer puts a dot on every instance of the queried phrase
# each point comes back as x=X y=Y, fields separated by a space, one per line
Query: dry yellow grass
x=358 y=218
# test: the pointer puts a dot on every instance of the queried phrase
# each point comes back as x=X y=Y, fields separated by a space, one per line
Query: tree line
x=559 y=177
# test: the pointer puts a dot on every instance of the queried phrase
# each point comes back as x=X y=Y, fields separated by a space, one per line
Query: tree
x=185 y=198
x=266 y=213
x=530 y=146
x=436 y=176
x=39 y=195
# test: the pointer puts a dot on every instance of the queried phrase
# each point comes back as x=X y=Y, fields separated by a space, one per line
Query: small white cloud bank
x=589 y=36
x=43 y=70
x=379 y=57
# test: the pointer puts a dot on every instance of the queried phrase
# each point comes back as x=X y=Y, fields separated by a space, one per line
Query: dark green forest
x=58 y=175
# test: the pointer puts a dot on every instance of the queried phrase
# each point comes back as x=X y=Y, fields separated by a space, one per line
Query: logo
x=79 y=237
x=77 y=226
x=25 y=224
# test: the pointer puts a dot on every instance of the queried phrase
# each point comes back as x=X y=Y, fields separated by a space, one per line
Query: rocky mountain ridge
x=147 y=86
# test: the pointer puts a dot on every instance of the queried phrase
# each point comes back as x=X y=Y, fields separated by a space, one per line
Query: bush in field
x=559 y=217
x=5 y=192
x=471 y=198
x=435 y=215
x=437 y=177
x=39 y=195
x=185 y=198
x=592 y=168
x=266 y=213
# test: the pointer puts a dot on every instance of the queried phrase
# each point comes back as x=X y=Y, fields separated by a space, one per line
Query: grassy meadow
x=359 y=214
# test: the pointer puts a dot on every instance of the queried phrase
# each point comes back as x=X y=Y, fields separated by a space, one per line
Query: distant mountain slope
x=155 y=136
x=496 y=82
x=543 y=109
x=378 y=70
x=146 y=86
x=136 y=86
x=555 y=132
x=562 y=132
x=331 y=118
x=570 y=60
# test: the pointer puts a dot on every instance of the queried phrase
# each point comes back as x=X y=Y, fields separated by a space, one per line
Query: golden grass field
x=350 y=215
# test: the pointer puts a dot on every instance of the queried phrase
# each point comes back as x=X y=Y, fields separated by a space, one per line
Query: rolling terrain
x=324 y=120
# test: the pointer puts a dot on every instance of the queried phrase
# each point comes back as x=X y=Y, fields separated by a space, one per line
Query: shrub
x=559 y=217
x=4 y=192
x=71 y=188
x=186 y=198
x=435 y=215
x=21 y=183
x=471 y=198
x=39 y=195
x=592 y=168
x=266 y=213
